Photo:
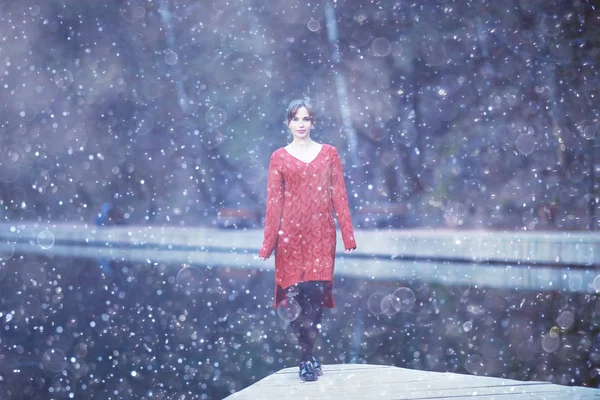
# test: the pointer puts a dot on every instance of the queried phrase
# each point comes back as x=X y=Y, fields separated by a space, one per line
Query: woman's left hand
x=348 y=251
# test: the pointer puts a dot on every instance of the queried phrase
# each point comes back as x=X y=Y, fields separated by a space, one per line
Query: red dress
x=299 y=224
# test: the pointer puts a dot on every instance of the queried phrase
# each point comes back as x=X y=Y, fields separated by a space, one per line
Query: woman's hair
x=294 y=106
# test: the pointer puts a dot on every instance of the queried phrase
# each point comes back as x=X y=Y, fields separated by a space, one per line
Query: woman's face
x=301 y=124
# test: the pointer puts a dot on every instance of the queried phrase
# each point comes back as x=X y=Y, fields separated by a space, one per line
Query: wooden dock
x=379 y=382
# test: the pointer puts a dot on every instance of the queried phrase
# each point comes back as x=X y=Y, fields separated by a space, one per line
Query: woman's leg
x=306 y=327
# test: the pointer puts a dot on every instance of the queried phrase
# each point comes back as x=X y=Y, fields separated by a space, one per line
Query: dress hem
x=327 y=298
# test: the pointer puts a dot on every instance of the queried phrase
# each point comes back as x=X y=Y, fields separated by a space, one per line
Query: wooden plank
x=360 y=381
x=386 y=374
x=541 y=396
x=335 y=389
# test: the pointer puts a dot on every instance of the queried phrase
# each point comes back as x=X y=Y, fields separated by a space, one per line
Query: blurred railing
x=549 y=260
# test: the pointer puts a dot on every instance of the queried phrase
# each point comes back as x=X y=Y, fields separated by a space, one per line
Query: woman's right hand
x=263 y=254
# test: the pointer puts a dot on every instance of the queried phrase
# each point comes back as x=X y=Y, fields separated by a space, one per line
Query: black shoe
x=316 y=365
x=307 y=372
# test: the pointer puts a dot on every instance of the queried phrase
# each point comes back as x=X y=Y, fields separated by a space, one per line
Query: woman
x=305 y=188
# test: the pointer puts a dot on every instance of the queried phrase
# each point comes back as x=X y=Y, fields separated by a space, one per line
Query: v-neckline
x=306 y=162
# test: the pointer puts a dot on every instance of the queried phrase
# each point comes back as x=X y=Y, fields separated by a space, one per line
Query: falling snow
x=448 y=115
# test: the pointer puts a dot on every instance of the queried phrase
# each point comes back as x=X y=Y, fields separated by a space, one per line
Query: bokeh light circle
x=7 y=251
x=381 y=47
x=45 y=239
x=406 y=136
x=596 y=283
x=377 y=134
x=588 y=129
x=550 y=25
x=33 y=274
x=475 y=364
x=389 y=157
x=525 y=144
x=63 y=387
x=76 y=138
x=30 y=307
x=562 y=51
x=28 y=113
x=144 y=122
x=550 y=343
x=375 y=303
x=291 y=312
x=61 y=340
x=9 y=174
x=54 y=360
x=566 y=320
x=358 y=34
x=575 y=282
x=138 y=12
x=39 y=179
x=387 y=305
x=63 y=78
x=239 y=322
x=313 y=25
x=576 y=172
x=467 y=326
x=35 y=10
x=216 y=117
x=171 y=58
x=252 y=172
x=190 y=278
x=403 y=299
x=81 y=349
x=133 y=12
x=212 y=139
x=12 y=155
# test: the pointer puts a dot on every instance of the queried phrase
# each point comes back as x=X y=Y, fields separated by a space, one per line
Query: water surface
x=85 y=327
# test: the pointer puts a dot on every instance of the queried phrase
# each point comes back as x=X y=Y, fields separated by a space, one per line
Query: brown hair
x=294 y=106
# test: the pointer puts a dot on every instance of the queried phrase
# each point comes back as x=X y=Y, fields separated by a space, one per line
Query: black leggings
x=309 y=296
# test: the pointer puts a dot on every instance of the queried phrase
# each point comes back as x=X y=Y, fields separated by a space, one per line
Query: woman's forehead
x=302 y=111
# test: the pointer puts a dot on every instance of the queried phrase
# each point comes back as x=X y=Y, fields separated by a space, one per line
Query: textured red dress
x=302 y=199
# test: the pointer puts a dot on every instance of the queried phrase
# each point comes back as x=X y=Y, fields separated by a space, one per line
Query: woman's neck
x=302 y=143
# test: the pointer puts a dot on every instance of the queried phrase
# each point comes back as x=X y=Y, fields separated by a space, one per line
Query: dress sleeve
x=340 y=201
x=274 y=209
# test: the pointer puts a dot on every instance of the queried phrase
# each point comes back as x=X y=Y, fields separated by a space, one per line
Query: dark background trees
x=472 y=114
